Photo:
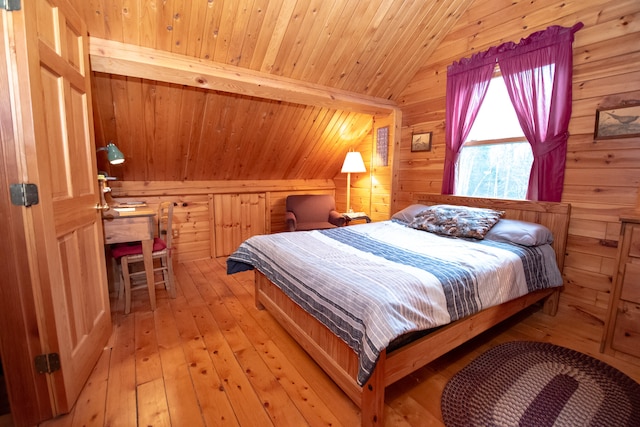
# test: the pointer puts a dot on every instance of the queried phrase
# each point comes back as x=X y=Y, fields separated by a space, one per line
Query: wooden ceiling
x=171 y=131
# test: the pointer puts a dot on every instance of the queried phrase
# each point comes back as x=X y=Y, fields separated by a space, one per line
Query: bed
x=365 y=345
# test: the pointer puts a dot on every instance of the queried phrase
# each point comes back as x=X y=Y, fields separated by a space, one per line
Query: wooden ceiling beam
x=135 y=61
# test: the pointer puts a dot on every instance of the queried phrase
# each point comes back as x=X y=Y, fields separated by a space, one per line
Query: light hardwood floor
x=209 y=357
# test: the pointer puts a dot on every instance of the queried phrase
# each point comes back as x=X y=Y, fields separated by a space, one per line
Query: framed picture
x=618 y=122
x=382 y=147
x=421 y=141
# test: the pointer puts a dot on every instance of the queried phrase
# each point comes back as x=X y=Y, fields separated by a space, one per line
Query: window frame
x=494 y=141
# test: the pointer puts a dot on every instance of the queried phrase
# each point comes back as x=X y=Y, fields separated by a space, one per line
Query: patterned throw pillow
x=456 y=221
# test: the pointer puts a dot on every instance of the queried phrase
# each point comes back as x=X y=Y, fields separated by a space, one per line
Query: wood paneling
x=371 y=47
x=254 y=90
x=134 y=61
x=212 y=218
x=236 y=218
x=382 y=175
x=602 y=177
x=171 y=130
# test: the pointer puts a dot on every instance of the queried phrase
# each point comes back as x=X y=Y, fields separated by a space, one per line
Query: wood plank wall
x=602 y=177
x=211 y=218
x=371 y=191
x=382 y=175
x=170 y=132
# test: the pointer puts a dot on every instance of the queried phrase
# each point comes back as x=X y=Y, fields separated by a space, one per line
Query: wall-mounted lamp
x=114 y=155
x=352 y=163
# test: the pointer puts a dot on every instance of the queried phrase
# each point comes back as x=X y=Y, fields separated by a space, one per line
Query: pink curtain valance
x=540 y=39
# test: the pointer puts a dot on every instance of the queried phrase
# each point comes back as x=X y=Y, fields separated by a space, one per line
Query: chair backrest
x=311 y=207
x=165 y=221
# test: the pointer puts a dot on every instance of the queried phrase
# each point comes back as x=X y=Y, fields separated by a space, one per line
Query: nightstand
x=356 y=217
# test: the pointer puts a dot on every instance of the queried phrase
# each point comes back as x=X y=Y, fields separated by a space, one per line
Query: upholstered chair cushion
x=312 y=212
x=123 y=249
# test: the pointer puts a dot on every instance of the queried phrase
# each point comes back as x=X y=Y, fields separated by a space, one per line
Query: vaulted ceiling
x=173 y=131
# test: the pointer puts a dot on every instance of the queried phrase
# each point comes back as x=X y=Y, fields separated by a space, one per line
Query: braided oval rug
x=525 y=383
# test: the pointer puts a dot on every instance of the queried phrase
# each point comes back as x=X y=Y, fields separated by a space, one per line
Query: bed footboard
x=340 y=362
x=332 y=354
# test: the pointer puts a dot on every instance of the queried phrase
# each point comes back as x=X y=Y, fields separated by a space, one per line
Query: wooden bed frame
x=340 y=362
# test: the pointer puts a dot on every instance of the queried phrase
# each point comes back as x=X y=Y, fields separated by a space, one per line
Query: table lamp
x=114 y=155
x=352 y=163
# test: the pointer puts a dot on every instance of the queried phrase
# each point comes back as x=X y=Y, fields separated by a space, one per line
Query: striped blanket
x=372 y=283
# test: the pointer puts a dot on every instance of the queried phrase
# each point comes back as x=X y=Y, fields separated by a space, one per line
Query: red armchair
x=312 y=212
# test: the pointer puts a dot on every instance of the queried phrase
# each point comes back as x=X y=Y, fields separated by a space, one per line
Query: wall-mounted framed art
x=421 y=141
x=617 y=122
x=382 y=147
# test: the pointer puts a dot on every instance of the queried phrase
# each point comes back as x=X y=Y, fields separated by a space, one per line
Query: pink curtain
x=538 y=74
x=467 y=84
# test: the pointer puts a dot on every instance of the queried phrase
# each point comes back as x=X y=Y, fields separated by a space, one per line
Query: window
x=495 y=160
x=540 y=81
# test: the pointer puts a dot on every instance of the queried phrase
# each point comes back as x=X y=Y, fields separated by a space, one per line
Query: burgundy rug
x=539 y=384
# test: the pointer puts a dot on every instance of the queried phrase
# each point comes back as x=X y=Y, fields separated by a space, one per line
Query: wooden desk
x=138 y=225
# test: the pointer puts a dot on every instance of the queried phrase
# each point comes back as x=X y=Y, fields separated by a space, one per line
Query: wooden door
x=51 y=98
x=19 y=338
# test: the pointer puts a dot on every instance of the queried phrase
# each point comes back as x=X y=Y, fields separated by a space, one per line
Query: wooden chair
x=131 y=254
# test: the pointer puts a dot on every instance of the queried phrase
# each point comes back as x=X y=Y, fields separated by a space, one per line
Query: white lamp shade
x=353 y=163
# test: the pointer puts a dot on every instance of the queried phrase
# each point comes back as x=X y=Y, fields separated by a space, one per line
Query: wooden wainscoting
x=212 y=218
x=209 y=357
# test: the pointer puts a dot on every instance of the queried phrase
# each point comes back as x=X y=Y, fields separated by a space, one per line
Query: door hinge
x=47 y=363
x=10 y=5
x=24 y=194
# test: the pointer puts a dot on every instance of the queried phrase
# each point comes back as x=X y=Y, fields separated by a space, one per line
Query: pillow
x=520 y=232
x=409 y=213
x=456 y=221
